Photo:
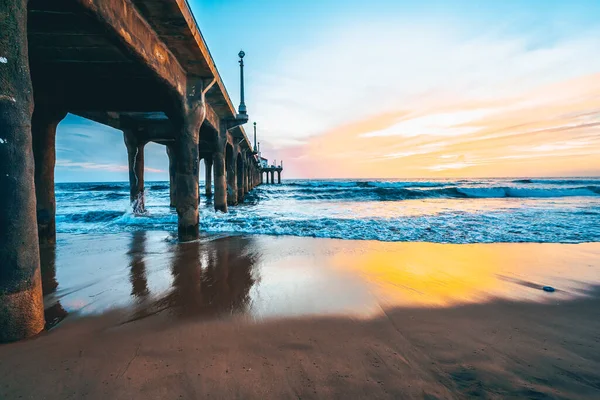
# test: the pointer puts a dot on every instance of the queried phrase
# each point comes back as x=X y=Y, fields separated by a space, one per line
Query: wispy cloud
x=97 y=166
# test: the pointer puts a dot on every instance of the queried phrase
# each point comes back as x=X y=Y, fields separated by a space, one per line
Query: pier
x=269 y=171
x=142 y=67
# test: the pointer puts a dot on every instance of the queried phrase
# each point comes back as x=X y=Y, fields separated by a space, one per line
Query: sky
x=394 y=89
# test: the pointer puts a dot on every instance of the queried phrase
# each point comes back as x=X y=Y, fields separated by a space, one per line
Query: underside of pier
x=138 y=66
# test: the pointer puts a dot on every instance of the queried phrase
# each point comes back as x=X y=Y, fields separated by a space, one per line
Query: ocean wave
x=159 y=187
x=92 y=216
x=558 y=181
x=455 y=192
x=394 y=185
x=318 y=184
x=115 y=195
x=104 y=188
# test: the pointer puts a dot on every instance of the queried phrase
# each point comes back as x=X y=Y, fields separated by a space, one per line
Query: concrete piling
x=135 y=157
x=231 y=177
x=21 y=305
x=240 y=178
x=188 y=164
x=220 y=196
x=172 y=174
x=208 y=176
x=43 y=126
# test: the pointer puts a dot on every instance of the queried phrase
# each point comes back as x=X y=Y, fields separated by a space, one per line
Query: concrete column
x=135 y=157
x=21 y=305
x=220 y=199
x=43 y=126
x=240 y=182
x=208 y=175
x=172 y=174
x=272 y=177
x=232 y=181
x=188 y=165
x=279 y=177
x=247 y=179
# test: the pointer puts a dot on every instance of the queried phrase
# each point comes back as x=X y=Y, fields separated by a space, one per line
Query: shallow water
x=442 y=211
x=258 y=277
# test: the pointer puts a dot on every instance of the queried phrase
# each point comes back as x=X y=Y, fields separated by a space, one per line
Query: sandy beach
x=140 y=316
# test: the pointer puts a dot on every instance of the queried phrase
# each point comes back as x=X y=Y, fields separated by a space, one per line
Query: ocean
x=439 y=211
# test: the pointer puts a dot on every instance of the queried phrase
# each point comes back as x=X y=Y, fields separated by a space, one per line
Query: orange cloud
x=552 y=130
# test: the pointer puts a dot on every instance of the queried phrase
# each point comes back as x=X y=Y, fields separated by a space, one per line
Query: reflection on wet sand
x=145 y=273
x=431 y=274
x=209 y=279
x=137 y=276
x=54 y=312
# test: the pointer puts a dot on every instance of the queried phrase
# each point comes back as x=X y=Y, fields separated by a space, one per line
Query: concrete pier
x=45 y=119
x=208 y=176
x=143 y=69
x=247 y=179
x=172 y=174
x=21 y=306
x=269 y=172
x=240 y=178
x=193 y=114
x=135 y=157
x=231 y=176
x=220 y=197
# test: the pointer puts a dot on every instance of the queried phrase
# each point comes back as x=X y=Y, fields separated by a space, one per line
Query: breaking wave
x=395 y=191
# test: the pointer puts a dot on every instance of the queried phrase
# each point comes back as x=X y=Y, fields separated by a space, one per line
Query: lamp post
x=255 y=148
x=242 y=108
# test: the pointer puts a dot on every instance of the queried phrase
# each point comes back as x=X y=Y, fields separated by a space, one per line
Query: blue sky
x=320 y=67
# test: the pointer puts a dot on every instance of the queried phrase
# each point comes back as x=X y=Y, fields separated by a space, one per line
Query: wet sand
x=264 y=317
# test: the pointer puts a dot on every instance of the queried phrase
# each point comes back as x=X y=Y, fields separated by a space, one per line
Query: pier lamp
x=255 y=148
x=242 y=109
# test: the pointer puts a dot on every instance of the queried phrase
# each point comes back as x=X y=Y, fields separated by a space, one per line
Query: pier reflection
x=210 y=279
x=137 y=266
x=53 y=310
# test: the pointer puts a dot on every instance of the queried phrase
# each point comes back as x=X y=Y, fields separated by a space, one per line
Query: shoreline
x=260 y=316
x=214 y=235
